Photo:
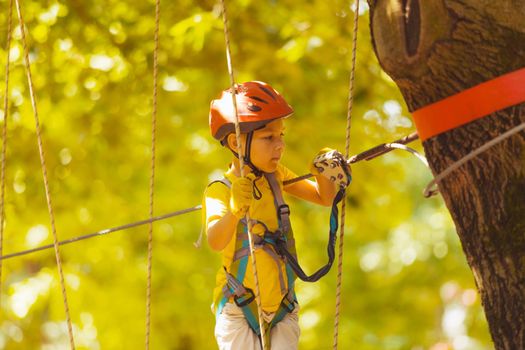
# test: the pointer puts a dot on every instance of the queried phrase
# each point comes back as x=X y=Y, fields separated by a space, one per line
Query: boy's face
x=268 y=146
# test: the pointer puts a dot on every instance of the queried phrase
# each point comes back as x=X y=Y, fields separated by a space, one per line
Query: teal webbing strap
x=243 y=263
x=220 y=307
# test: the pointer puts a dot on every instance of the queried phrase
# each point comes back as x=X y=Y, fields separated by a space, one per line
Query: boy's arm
x=321 y=192
x=220 y=231
x=224 y=211
x=324 y=190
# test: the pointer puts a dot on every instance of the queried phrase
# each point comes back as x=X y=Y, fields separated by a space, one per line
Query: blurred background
x=406 y=283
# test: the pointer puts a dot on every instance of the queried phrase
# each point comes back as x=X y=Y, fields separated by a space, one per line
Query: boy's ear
x=231 y=141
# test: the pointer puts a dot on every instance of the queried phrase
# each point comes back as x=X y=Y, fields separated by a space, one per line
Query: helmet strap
x=246 y=158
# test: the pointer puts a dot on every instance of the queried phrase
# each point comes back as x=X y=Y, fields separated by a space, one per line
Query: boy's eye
x=272 y=136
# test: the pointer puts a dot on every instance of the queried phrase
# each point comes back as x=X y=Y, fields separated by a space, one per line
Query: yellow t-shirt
x=215 y=206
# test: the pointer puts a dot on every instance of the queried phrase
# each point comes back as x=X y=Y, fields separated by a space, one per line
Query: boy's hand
x=314 y=166
x=332 y=165
x=241 y=195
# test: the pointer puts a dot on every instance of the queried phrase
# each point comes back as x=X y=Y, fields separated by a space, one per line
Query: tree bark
x=436 y=48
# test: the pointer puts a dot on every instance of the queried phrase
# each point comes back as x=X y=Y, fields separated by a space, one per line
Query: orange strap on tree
x=471 y=104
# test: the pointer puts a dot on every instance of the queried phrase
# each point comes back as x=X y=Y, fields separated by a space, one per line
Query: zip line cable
x=44 y=174
x=366 y=155
x=103 y=232
x=152 y=169
x=343 y=202
x=429 y=191
x=4 y=138
x=241 y=163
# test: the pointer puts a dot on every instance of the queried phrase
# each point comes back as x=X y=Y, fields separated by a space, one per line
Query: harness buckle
x=283 y=209
x=287 y=304
x=244 y=299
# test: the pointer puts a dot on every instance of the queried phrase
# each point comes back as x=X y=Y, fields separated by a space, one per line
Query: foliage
x=406 y=282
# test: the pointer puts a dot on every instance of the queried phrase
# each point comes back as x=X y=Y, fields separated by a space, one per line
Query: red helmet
x=257 y=105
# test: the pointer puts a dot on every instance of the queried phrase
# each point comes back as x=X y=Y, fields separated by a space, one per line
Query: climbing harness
x=236 y=272
x=280 y=245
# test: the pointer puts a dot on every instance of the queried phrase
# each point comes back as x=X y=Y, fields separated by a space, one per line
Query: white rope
x=429 y=192
x=241 y=162
x=343 y=203
x=152 y=173
x=4 y=139
x=44 y=175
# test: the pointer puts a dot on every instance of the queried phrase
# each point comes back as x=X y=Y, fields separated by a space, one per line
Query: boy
x=257 y=195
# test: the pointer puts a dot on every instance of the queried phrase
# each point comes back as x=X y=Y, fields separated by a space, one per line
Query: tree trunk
x=436 y=48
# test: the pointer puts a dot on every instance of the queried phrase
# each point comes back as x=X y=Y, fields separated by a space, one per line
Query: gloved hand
x=315 y=169
x=241 y=195
x=332 y=165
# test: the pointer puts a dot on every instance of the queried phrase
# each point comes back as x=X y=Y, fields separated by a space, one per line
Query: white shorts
x=233 y=332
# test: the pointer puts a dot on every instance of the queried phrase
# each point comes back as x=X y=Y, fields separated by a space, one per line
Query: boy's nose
x=280 y=144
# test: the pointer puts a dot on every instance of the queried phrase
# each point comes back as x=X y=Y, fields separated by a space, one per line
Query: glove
x=315 y=168
x=332 y=165
x=241 y=195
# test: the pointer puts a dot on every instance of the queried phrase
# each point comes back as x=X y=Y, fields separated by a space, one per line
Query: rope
x=429 y=192
x=152 y=176
x=44 y=173
x=103 y=232
x=241 y=162
x=4 y=139
x=343 y=202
